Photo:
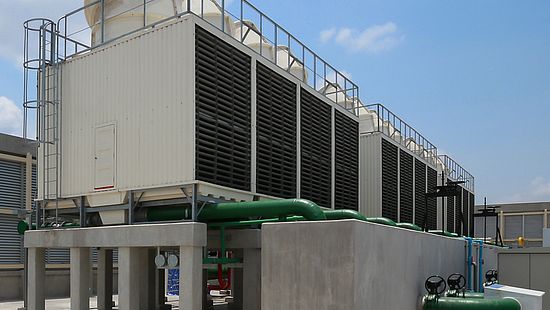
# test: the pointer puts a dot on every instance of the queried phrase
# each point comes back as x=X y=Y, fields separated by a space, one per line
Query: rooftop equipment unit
x=182 y=111
x=397 y=168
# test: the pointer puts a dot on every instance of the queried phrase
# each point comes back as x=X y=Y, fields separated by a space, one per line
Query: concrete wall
x=11 y=284
x=352 y=265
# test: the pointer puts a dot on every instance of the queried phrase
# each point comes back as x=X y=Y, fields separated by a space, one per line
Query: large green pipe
x=23 y=226
x=265 y=208
x=343 y=215
x=409 y=226
x=381 y=220
x=467 y=295
x=453 y=303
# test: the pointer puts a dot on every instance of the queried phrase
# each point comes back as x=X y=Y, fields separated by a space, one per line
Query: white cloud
x=538 y=190
x=374 y=39
x=11 y=117
x=327 y=35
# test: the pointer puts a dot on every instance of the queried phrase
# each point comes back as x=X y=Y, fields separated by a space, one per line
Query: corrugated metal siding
x=147 y=92
x=419 y=192
x=12 y=184
x=533 y=225
x=370 y=165
x=458 y=214
x=316 y=149
x=346 y=162
x=466 y=210
x=276 y=134
x=432 y=201
x=406 y=183
x=10 y=240
x=223 y=112
x=513 y=226
x=472 y=206
x=389 y=180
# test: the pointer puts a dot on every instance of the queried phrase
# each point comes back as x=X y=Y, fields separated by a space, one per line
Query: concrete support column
x=81 y=267
x=252 y=279
x=105 y=279
x=147 y=279
x=190 y=278
x=36 y=280
x=128 y=278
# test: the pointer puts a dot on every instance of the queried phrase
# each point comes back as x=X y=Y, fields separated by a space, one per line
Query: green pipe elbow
x=265 y=209
x=409 y=226
x=343 y=215
x=381 y=220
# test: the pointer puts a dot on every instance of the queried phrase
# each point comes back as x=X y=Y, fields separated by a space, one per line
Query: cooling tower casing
x=184 y=103
x=394 y=180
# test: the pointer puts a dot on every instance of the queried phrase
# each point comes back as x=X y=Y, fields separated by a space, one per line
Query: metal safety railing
x=456 y=172
x=391 y=125
x=239 y=19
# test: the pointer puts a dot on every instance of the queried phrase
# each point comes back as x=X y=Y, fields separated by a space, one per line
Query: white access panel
x=529 y=299
x=105 y=157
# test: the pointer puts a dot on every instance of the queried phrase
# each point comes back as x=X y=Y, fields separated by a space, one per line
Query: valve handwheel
x=435 y=285
x=491 y=276
x=456 y=281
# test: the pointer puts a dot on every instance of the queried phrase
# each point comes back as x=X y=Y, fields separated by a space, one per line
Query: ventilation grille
x=316 y=149
x=276 y=134
x=12 y=184
x=472 y=205
x=419 y=193
x=432 y=201
x=458 y=214
x=466 y=210
x=450 y=212
x=12 y=242
x=406 y=187
x=222 y=92
x=347 y=162
x=389 y=180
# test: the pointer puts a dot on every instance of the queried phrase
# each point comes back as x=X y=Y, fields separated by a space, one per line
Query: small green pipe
x=453 y=303
x=409 y=226
x=444 y=233
x=467 y=295
x=264 y=208
x=23 y=226
x=167 y=213
x=381 y=220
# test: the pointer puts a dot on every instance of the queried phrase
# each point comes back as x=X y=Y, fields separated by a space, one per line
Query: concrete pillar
x=237 y=283
x=105 y=279
x=80 y=278
x=252 y=279
x=37 y=279
x=147 y=279
x=128 y=278
x=190 y=278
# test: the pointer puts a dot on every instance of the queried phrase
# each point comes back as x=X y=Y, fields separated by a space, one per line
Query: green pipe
x=452 y=303
x=381 y=220
x=265 y=208
x=23 y=226
x=444 y=233
x=344 y=214
x=466 y=295
x=167 y=213
x=254 y=222
x=409 y=226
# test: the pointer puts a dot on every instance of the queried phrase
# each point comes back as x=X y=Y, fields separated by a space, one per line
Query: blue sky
x=472 y=76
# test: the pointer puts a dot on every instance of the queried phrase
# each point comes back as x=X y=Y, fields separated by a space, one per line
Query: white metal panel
x=145 y=85
x=370 y=175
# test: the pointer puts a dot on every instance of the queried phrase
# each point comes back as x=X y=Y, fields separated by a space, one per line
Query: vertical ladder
x=49 y=101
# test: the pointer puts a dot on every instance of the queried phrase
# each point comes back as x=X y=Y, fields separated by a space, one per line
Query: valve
x=435 y=285
x=491 y=277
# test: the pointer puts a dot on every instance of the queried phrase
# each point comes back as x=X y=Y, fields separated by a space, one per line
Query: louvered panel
x=58 y=256
x=432 y=201
x=10 y=241
x=276 y=134
x=472 y=205
x=406 y=187
x=316 y=149
x=466 y=212
x=347 y=162
x=389 y=180
x=223 y=113
x=419 y=193
x=11 y=184
x=458 y=214
x=450 y=212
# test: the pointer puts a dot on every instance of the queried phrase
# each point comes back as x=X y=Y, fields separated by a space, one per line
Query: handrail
x=456 y=172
